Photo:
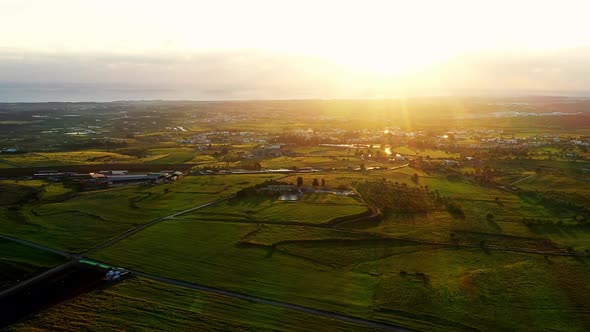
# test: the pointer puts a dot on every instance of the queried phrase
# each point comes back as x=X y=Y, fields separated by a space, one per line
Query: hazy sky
x=103 y=50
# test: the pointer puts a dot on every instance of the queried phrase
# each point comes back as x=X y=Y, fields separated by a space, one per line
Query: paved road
x=517 y=181
x=398 y=167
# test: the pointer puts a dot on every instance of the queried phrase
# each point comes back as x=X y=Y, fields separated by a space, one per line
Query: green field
x=19 y=262
x=399 y=281
x=315 y=208
x=311 y=161
x=435 y=154
x=81 y=221
x=333 y=179
x=208 y=253
x=170 y=155
x=139 y=304
x=67 y=158
x=579 y=184
x=407 y=280
x=499 y=242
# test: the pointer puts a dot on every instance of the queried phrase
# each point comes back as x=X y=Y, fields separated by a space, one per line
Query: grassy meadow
x=486 y=271
x=315 y=208
x=76 y=222
x=420 y=285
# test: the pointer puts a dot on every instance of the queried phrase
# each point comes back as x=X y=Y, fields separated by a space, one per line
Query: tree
x=323 y=183
x=299 y=181
x=315 y=183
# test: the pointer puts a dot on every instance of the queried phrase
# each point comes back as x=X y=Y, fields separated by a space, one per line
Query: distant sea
x=99 y=93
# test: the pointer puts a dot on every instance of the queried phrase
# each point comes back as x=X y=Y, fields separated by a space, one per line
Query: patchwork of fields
x=428 y=271
x=386 y=279
x=79 y=221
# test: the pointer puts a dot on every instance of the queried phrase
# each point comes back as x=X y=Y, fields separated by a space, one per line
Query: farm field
x=562 y=183
x=86 y=219
x=170 y=155
x=397 y=281
x=211 y=256
x=67 y=158
x=315 y=208
x=438 y=154
x=311 y=161
x=333 y=179
x=19 y=262
x=481 y=224
x=142 y=304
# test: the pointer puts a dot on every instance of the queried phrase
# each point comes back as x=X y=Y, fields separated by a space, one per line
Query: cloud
x=253 y=74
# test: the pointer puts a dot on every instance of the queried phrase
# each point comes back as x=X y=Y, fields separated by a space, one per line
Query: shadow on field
x=53 y=289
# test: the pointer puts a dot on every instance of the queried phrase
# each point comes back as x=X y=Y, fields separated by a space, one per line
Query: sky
x=81 y=50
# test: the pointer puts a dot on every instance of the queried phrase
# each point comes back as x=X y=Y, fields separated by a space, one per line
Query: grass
x=18 y=191
x=170 y=155
x=436 y=154
x=487 y=292
x=83 y=221
x=207 y=253
x=357 y=271
x=203 y=159
x=575 y=236
x=312 y=208
x=460 y=188
x=271 y=235
x=139 y=304
x=13 y=192
x=441 y=289
x=68 y=158
x=55 y=191
x=311 y=161
x=19 y=262
x=562 y=182
x=543 y=164
x=333 y=179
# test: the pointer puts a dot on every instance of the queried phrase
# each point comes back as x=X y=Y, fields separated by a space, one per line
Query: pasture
x=142 y=304
x=420 y=285
x=175 y=155
x=39 y=159
x=315 y=208
x=82 y=220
